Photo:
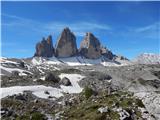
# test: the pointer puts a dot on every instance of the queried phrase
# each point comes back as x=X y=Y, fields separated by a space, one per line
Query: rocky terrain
x=89 y=83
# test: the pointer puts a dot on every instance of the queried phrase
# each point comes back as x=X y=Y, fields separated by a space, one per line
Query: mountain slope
x=148 y=58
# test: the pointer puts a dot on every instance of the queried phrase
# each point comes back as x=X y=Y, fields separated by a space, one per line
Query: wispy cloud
x=151 y=31
x=153 y=27
x=148 y=32
x=79 y=28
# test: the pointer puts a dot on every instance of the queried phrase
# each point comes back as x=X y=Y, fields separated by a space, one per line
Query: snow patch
x=38 y=60
x=74 y=78
x=15 y=69
x=43 y=78
x=39 y=90
x=78 y=61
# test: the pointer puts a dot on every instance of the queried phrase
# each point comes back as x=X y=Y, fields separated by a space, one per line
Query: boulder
x=21 y=64
x=51 y=77
x=20 y=97
x=5 y=112
x=65 y=81
x=66 y=44
x=45 y=48
x=103 y=109
x=36 y=101
x=15 y=73
x=157 y=74
x=90 y=47
x=46 y=92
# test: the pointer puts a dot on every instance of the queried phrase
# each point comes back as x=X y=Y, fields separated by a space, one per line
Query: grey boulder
x=65 y=81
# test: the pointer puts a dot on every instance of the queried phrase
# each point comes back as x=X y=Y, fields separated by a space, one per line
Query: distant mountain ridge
x=148 y=58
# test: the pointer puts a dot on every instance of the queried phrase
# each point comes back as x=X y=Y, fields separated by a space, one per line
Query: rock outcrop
x=90 y=47
x=65 y=81
x=107 y=53
x=66 y=44
x=45 y=48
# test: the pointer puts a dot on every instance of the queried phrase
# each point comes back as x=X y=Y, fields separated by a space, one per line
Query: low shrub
x=140 y=103
x=88 y=92
x=37 y=116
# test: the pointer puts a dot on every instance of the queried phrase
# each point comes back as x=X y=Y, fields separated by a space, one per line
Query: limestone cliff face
x=45 y=48
x=66 y=44
x=90 y=47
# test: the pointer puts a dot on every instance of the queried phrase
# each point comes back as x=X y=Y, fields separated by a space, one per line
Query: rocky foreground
x=41 y=88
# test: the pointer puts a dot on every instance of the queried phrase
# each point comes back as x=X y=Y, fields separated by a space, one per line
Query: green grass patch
x=88 y=92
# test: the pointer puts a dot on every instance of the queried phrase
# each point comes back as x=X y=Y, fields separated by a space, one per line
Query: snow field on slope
x=39 y=90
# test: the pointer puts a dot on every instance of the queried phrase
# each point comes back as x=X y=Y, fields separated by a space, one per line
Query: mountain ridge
x=147 y=58
x=66 y=46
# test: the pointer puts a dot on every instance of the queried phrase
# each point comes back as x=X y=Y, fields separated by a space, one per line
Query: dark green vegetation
x=28 y=108
x=32 y=116
x=88 y=108
x=88 y=92
x=85 y=109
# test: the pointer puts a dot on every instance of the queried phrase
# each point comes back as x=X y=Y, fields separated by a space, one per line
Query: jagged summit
x=45 y=48
x=90 y=47
x=66 y=46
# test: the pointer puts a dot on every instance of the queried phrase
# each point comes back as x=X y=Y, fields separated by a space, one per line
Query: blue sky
x=126 y=28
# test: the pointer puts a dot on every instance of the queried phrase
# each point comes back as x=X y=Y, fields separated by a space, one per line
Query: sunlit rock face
x=90 y=47
x=66 y=44
x=45 y=48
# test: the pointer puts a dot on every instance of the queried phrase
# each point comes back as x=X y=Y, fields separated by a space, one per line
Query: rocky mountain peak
x=49 y=39
x=45 y=48
x=66 y=44
x=66 y=29
x=90 y=46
